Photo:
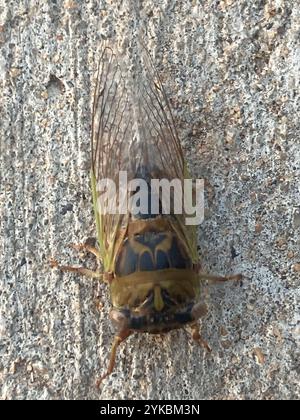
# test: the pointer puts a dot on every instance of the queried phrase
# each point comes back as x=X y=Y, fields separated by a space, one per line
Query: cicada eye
x=199 y=310
x=119 y=319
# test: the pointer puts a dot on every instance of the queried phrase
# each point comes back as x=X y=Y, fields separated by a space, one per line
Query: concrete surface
x=231 y=70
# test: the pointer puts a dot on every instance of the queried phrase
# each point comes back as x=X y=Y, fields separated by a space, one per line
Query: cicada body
x=149 y=257
x=147 y=249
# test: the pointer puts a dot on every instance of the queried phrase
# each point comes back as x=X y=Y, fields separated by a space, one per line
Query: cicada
x=149 y=258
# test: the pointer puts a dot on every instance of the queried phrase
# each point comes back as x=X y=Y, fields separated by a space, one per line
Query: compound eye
x=119 y=319
x=199 y=310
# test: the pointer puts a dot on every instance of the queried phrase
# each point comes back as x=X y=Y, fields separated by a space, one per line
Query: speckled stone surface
x=231 y=70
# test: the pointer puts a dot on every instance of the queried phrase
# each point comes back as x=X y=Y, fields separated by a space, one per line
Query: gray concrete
x=231 y=70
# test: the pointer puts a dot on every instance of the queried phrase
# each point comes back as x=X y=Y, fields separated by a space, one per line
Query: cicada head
x=156 y=302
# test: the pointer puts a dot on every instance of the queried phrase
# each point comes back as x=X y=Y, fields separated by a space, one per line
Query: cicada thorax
x=151 y=251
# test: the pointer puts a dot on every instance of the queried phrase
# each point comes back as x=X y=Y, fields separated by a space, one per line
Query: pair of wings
x=132 y=130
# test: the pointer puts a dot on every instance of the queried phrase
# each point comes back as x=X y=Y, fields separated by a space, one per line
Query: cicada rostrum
x=149 y=258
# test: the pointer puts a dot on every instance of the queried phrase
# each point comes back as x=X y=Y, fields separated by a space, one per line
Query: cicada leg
x=86 y=247
x=82 y=270
x=216 y=279
x=79 y=270
x=122 y=336
x=198 y=338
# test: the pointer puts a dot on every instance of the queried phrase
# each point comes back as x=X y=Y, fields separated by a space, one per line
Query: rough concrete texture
x=231 y=71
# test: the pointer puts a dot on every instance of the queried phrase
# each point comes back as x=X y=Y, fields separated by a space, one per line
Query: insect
x=150 y=259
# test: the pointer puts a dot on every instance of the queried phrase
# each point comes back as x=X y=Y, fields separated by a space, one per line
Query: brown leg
x=117 y=341
x=79 y=270
x=88 y=248
x=216 y=279
x=197 y=337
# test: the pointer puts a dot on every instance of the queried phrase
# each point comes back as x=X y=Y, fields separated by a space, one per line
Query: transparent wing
x=132 y=130
x=112 y=135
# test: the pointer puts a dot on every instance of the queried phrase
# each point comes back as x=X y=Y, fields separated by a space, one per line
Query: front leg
x=119 y=338
x=198 y=338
